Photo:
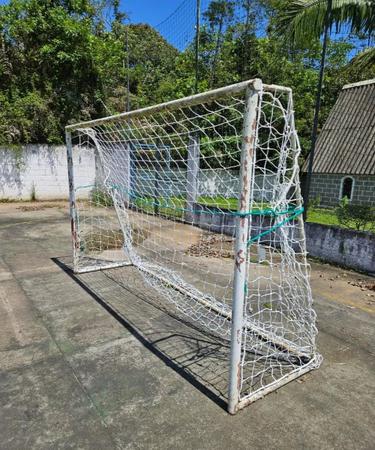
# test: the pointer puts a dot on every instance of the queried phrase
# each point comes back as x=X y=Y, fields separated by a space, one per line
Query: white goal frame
x=309 y=359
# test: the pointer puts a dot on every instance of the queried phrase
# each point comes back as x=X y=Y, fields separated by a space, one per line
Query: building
x=344 y=162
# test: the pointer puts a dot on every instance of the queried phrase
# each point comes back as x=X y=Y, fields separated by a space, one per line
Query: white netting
x=165 y=199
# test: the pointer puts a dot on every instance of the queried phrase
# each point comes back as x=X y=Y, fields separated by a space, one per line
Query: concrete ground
x=76 y=373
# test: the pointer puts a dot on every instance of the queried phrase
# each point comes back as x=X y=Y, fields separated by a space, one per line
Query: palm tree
x=304 y=20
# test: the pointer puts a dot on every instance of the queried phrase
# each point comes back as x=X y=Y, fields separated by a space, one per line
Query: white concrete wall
x=43 y=168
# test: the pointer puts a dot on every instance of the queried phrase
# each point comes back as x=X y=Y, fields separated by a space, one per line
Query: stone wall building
x=344 y=163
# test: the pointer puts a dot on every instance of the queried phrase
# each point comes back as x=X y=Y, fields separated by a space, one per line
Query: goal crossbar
x=191 y=100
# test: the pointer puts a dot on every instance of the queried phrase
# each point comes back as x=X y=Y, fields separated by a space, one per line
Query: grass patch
x=100 y=198
x=325 y=216
x=171 y=206
x=229 y=203
x=176 y=206
x=322 y=216
x=219 y=202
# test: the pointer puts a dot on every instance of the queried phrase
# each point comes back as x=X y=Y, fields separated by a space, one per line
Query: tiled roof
x=346 y=143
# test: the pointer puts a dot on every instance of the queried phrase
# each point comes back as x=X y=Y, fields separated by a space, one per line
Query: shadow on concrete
x=200 y=358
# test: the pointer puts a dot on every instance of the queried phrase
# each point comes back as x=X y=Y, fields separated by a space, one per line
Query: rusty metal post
x=241 y=250
x=192 y=176
x=72 y=200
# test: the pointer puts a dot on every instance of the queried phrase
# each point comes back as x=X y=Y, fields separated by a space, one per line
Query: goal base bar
x=96 y=267
x=260 y=393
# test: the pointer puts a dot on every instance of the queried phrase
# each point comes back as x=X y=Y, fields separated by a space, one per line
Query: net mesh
x=165 y=199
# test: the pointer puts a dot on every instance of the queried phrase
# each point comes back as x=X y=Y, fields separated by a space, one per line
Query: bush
x=314 y=203
x=100 y=197
x=358 y=217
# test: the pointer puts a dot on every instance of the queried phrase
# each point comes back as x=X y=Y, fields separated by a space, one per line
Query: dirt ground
x=90 y=363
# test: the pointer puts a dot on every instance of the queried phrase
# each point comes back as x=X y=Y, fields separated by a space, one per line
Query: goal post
x=201 y=195
x=241 y=238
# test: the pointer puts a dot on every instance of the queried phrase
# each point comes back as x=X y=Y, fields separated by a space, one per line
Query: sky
x=149 y=11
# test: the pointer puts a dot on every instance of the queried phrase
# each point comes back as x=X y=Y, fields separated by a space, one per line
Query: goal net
x=202 y=196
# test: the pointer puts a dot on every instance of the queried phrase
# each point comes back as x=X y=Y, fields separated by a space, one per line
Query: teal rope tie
x=294 y=213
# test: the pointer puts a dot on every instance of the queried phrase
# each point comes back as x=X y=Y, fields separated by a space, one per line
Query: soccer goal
x=202 y=196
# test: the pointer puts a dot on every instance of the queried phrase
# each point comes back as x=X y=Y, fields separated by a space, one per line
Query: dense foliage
x=359 y=217
x=61 y=62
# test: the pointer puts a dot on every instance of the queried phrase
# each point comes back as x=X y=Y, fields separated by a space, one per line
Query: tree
x=60 y=62
x=248 y=34
x=47 y=51
x=219 y=14
x=303 y=20
x=152 y=58
x=359 y=217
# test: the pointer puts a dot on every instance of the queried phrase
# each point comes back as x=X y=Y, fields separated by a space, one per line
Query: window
x=347 y=185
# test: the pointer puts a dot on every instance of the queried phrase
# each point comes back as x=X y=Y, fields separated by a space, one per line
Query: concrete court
x=76 y=375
